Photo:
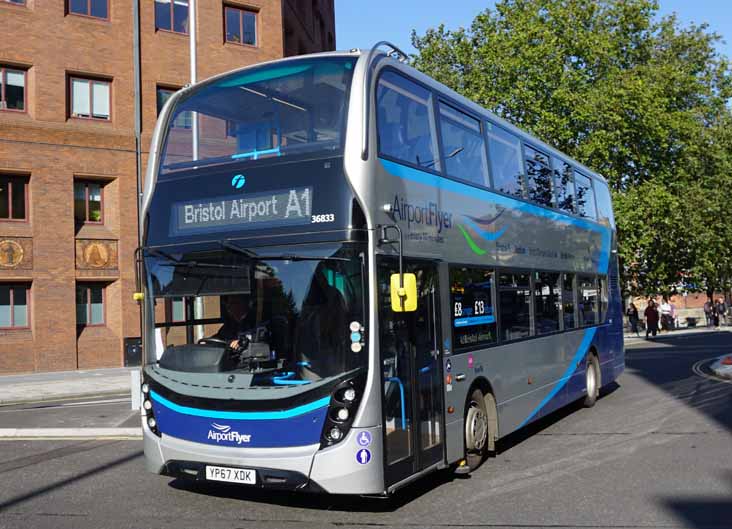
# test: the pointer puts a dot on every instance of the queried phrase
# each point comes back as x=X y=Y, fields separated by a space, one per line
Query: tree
x=636 y=97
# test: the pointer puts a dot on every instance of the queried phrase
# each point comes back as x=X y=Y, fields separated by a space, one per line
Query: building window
x=88 y=202
x=14 y=2
x=90 y=99
x=89 y=8
x=12 y=89
x=14 y=313
x=184 y=120
x=89 y=304
x=171 y=15
x=241 y=26
x=13 y=197
x=473 y=319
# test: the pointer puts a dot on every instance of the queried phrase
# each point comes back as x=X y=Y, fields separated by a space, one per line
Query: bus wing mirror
x=403 y=293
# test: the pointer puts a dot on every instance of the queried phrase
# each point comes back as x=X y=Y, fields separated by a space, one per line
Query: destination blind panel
x=244 y=212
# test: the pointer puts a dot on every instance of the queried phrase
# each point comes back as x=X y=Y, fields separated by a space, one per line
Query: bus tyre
x=592 y=381
x=476 y=429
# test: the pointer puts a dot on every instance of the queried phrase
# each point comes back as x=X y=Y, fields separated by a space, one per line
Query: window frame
x=172 y=20
x=438 y=99
x=4 y=81
x=86 y=183
x=433 y=119
x=87 y=286
x=242 y=10
x=578 y=296
x=22 y=3
x=90 y=81
x=28 y=286
x=550 y=166
x=458 y=349
x=88 y=11
x=522 y=160
x=592 y=193
x=26 y=182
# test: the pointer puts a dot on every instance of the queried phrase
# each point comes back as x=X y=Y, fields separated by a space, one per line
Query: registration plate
x=231 y=475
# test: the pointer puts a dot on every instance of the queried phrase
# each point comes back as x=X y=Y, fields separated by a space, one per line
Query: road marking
x=696 y=368
x=42 y=406
x=70 y=433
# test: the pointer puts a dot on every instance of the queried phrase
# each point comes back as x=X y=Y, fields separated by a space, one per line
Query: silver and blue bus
x=351 y=276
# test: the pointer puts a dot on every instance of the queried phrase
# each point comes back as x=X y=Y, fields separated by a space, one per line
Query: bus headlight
x=344 y=403
x=147 y=405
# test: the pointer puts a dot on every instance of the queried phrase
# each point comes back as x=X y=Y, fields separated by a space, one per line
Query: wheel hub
x=476 y=428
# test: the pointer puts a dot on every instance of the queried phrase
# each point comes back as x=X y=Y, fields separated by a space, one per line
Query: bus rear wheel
x=592 y=381
x=476 y=430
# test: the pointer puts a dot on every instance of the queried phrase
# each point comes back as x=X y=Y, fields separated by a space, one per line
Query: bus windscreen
x=271 y=111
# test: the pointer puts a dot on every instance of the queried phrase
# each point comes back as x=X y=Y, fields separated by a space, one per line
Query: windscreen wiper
x=174 y=261
x=283 y=257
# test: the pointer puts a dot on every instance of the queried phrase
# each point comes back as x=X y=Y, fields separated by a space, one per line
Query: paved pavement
x=653 y=453
x=39 y=387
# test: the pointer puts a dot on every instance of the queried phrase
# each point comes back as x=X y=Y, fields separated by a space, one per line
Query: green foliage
x=638 y=98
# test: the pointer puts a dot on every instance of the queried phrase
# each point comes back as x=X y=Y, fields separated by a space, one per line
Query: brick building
x=68 y=160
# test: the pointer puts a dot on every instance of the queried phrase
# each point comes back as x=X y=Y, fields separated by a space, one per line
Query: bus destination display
x=256 y=210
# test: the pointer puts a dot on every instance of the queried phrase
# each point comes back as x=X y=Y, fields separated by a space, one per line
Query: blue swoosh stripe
x=242 y=415
x=429 y=179
x=487 y=235
x=581 y=352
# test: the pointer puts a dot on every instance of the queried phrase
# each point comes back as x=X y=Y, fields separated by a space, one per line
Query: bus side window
x=602 y=281
x=405 y=123
x=473 y=317
x=463 y=146
x=504 y=154
x=564 y=185
x=585 y=196
x=587 y=300
x=546 y=302
x=604 y=204
x=514 y=301
x=538 y=176
x=568 y=301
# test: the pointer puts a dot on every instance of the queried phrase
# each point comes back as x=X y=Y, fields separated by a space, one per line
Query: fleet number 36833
x=328 y=217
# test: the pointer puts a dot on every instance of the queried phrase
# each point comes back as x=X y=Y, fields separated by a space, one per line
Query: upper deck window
x=405 y=122
x=604 y=204
x=463 y=146
x=585 y=196
x=538 y=176
x=564 y=185
x=284 y=108
x=504 y=151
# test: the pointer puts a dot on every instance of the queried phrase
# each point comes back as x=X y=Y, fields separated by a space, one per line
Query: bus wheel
x=592 y=381
x=476 y=430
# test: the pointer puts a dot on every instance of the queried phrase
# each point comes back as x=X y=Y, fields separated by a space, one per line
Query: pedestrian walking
x=666 y=319
x=651 y=315
x=715 y=316
x=708 y=312
x=722 y=310
x=632 y=313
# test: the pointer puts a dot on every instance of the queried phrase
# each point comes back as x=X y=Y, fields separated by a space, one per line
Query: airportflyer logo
x=223 y=432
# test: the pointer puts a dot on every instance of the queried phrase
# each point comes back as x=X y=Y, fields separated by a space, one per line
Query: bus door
x=412 y=375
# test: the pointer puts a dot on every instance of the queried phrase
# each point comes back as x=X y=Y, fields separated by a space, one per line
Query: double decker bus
x=351 y=276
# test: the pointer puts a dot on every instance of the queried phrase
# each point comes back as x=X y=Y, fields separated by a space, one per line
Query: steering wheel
x=213 y=340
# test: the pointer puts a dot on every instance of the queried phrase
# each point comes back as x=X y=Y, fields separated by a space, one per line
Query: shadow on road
x=669 y=362
x=703 y=512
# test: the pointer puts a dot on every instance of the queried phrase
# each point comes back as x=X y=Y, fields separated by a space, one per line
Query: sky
x=361 y=23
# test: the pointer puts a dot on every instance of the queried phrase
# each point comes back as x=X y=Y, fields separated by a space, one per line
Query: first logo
x=238 y=181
